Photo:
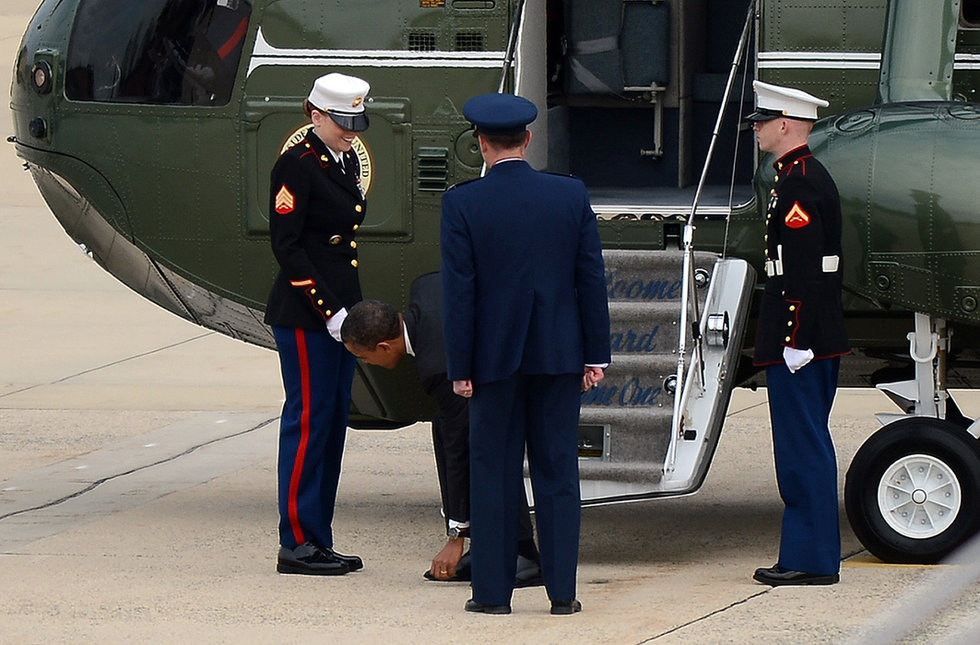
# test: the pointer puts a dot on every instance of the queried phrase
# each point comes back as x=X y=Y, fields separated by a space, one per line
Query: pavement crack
x=137 y=469
x=705 y=617
x=107 y=365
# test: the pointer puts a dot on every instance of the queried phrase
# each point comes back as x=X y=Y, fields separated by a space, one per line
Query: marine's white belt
x=828 y=264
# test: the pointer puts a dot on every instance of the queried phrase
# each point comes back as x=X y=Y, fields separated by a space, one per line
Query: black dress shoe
x=309 y=559
x=528 y=573
x=776 y=575
x=353 y=562
x=564 y=607
x=480 y=608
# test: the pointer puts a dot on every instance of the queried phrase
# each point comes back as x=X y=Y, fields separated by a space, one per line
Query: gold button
x=312 y=292
x=324 y=158
x=787 y=339
x=358 y=208
x=792 y=307
x=335 y=240
x=330 y=313
x=353 y=263
x=353 y=245
x=789 y=324
x=766 y=237
x=319 y=302
x=307 y=145
x=355 y=227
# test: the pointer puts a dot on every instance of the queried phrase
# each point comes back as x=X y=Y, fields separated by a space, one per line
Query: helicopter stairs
x=628 y=444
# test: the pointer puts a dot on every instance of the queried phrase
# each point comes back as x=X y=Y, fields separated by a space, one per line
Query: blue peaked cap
x=500 y=113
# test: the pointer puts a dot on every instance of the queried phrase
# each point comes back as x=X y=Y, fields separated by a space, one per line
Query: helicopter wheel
x=912 y=492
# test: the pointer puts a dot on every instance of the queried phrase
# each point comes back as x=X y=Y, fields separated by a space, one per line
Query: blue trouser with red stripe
x=317 y=372
x=806 y=464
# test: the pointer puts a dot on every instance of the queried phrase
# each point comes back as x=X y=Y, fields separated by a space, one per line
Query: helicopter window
x=182 y=52
x=970 y=12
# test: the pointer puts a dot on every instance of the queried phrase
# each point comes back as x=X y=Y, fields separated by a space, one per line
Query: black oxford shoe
x=528 y=573
x=564 y=607
x=776 y=575
x=308 y=559
x=353 y=562
x=480 y=608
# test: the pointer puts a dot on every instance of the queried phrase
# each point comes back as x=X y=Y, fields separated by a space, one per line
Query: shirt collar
x=408 y=341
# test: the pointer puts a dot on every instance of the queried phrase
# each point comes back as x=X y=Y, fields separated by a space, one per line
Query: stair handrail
x=689 y=299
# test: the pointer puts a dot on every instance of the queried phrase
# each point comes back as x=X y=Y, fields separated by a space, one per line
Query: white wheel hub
x=919 y=496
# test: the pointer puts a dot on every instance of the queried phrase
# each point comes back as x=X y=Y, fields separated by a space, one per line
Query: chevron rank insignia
x=285 y=202
x=797 y=217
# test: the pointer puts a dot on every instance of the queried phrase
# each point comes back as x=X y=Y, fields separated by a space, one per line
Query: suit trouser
x=451 y=445
x=316 y=373
x=806 y=464
x=540 y=412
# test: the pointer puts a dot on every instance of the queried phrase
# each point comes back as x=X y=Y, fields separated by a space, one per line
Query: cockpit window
x=182 y=52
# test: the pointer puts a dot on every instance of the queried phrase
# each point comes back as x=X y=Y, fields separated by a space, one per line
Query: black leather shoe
x=480 y=608
x=776 y=575
x=528 y=573
x=564 y=607
x=309 y=559
x=353 y=562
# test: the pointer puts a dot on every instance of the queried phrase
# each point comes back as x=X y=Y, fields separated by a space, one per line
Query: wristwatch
x=454 y=533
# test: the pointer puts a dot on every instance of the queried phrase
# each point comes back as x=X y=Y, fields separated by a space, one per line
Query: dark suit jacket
x=314 y=210
x=423 y=320
x=523 y=278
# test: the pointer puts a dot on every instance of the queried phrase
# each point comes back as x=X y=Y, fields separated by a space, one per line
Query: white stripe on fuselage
x=265 y=54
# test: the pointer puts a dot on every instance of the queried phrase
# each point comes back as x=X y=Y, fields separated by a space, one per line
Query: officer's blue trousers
x=541 y=412
x=806 y=464
x=317 y=372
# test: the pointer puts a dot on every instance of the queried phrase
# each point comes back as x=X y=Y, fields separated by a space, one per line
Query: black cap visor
x=354 y=122
x=763 y=114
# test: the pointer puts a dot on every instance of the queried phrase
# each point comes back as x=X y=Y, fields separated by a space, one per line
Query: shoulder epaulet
x=463 y=183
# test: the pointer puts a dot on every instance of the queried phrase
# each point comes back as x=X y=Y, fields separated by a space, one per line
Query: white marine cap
x=342 y=98
x=773 y=101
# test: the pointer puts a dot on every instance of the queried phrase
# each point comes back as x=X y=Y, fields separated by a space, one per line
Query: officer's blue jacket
x=523 y=277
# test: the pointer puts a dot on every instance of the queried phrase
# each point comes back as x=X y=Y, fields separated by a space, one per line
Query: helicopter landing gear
x=912 y=492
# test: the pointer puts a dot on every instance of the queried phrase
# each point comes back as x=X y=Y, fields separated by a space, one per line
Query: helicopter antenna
x=689 y=301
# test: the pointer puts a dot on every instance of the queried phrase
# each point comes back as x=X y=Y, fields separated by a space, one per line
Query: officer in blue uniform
x=526 y=325
x=801 y=336
x=316 y=206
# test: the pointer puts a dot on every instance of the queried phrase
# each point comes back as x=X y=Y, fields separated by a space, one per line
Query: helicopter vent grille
x=469 y=41
x=433 y=165
x=421 y=41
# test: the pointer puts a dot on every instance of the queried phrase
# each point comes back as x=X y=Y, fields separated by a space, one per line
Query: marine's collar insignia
x=797 y=217
x=285 y=202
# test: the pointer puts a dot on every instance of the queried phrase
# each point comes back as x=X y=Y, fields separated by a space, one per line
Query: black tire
x=932 y=486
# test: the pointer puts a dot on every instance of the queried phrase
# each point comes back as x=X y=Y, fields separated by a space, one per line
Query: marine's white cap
x=773 y=101
x=342 y=98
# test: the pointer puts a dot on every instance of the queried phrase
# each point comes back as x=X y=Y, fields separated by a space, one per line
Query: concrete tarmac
x=138 y=495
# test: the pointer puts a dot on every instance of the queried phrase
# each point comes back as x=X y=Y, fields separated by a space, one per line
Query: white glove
x=796 y=358
x=335 y=322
